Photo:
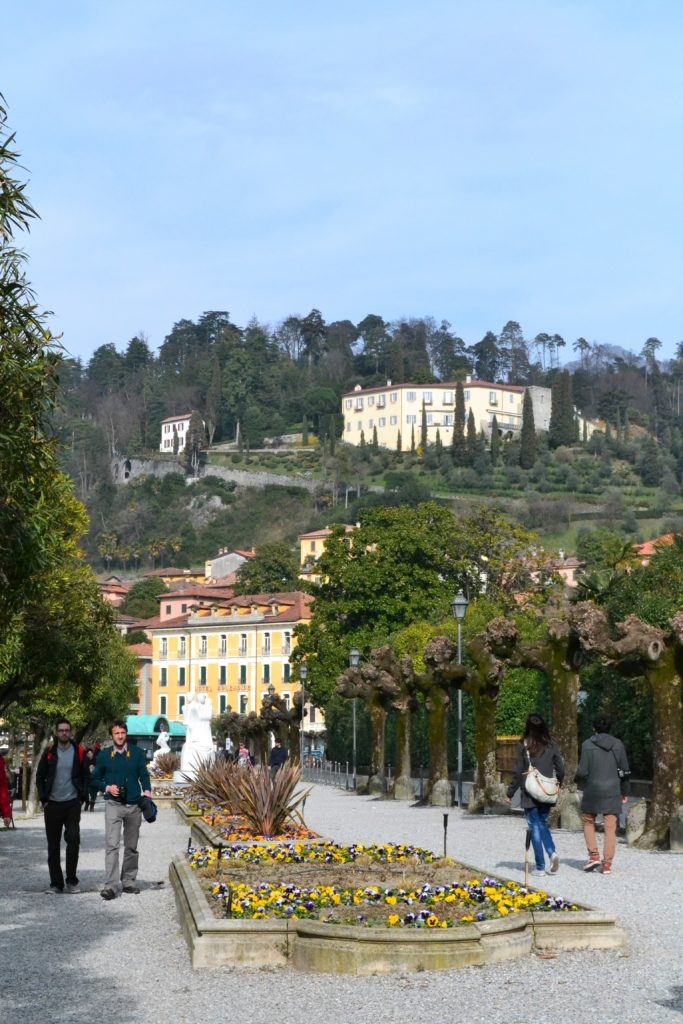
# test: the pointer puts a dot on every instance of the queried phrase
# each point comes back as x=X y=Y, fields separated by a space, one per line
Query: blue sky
x=475 y=161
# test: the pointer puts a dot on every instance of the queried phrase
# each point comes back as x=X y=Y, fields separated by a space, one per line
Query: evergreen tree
x=362 y=440
x=423 y=430
x=438 y=445
x=529 y=442
x=619 y=432
x=495 y=441
x=195 y=441
x=608 y=432
x=458 y=446
x=562 y=427
x=333 y=434
x=399 y=443
x=471 y=445
x=627 y=427
x=375 y=442
x=176 y=440
x=412 y=440
x=304 y=432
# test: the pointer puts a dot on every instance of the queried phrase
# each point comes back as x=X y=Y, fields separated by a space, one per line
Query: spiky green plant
x=269 y=802
x=166 y=764
x=213 y=781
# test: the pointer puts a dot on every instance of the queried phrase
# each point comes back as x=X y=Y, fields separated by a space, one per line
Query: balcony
x=203 y=651
x=381 y=402
x=242 y=651
x=287 y=649
x=182 y=652
x=266 y=649
x=163 y=655
x=223 y=650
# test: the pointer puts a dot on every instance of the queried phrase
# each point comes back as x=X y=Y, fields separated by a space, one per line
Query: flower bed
x=391 y=886
x=366 y=910
x=233 y=828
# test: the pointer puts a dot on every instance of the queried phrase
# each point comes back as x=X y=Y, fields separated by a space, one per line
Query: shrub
x=166 y=764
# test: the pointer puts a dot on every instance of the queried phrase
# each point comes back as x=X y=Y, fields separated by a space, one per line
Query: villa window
x=163 y=676
x=181 y=676
x=202 y=675
x=411 y=396
x=222 y=703
x=243 y=703
x=162 y=705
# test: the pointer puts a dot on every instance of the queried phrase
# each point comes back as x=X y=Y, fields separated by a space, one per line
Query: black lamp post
x=354 y=662
x=459 y=604
x=303 y=674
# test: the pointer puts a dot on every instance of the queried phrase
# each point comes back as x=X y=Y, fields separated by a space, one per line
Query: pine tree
x=471 y=443
x=458 y=446
x=528 y=450
x=495 y=440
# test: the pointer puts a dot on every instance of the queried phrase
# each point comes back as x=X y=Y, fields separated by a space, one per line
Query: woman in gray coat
x=539 y=750
x=604 y=774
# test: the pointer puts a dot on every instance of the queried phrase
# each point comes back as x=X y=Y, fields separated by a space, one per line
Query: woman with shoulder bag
x=539 y=772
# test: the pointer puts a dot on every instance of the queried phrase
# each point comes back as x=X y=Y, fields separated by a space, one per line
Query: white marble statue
x=162 y=744
x=198 y=746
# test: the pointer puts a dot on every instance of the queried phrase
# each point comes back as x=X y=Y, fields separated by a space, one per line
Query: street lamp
x=271 y=690
x=303 y=675
x=459 y=604
x=354 y=662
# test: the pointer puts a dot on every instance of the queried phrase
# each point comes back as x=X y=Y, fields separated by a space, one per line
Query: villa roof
x=141 y=650
x=173 y=570
x=181 y=416
x=437 y=384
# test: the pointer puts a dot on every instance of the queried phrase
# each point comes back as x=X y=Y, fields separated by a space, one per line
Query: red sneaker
x=592 y=864
x=606 y=869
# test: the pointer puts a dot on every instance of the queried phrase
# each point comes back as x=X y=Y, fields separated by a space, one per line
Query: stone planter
x=186 y=813
x=340 y=949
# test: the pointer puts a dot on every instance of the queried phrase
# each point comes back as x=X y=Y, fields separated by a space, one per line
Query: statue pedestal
x=442 y=794
x=191 y=758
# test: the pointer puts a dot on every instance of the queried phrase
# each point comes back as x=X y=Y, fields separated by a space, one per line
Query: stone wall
x=125 y=470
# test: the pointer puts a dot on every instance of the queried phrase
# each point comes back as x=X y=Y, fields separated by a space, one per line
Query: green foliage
x=518 y=698
x=653 y=592
x=274 y=568
x=562 y=427
x=400 y=567
x=529 y=443
x=601 y=547
x=142 y=599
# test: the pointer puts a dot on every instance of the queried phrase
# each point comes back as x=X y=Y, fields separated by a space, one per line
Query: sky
x=472 y=160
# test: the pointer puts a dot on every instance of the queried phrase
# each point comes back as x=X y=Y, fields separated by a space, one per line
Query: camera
x=123 y=794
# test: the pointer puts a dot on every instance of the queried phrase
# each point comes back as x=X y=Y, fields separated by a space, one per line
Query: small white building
x=170 y=426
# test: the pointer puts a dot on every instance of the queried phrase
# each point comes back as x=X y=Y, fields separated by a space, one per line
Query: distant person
x=244 y=757
x=537 y=749
x=62 y=779
x=91 y=795
x=5 y=801
x=278 y=756
x=121 y=772
x=605 y=776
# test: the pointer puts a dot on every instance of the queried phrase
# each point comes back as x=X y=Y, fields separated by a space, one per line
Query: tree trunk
x=564 y=687
x=667 y=779
x=40 y=741
x=403 y=786
x=439 y=789
x=378 y=718
x=488 y=793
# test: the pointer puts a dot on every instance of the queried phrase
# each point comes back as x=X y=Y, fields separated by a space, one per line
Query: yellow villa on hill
x=232 y=650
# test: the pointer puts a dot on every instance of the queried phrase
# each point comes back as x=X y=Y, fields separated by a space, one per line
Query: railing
x=163 y=655
x=265 y=649
x=331 y=773
x=242 y=652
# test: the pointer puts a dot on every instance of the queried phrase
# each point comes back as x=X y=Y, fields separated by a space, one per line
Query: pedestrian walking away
x=538 y=749
x=91 y=795
x=5 y=800
x=121 y=774
x=62 y=779
x=278 y=756
x=604 y=775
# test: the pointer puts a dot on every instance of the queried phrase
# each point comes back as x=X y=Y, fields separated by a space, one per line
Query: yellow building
x=232 y=650
x=398 y=407
x=311 y=547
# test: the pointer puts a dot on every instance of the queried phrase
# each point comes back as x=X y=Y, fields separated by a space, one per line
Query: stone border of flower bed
x=341 y=949
x=186 y=812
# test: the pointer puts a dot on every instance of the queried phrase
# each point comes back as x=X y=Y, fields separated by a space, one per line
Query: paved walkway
x=74 y=958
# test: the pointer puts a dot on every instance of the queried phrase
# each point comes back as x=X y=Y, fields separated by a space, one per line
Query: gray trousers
x=116 y=817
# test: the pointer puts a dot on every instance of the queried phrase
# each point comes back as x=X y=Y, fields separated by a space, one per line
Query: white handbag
x=540 y=787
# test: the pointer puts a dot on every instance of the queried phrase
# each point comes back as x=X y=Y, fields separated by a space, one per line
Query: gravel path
x=70 y=958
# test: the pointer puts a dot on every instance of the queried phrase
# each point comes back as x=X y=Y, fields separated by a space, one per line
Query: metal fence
x=331 y=773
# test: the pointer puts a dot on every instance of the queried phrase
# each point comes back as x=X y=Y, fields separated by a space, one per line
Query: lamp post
x=354 y=662
x=459 y=605
x=303 y=673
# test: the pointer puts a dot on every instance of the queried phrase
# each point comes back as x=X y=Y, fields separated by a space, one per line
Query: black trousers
x=63 y=816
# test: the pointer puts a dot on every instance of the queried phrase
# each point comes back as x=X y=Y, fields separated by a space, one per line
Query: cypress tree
x=399 y=443
x=495 y=440
x=438 y=446
x=620 y=436
x=528 y=450
x=471 y=443
x=176 y=440
x=375 y=442
x=458 y=446
x=333 y=433
x=423 y=430
x=304 y=432
x=608 y=432
x=562 y=427
x=585 y=430
x=362 y=439
x=627 y=428
x=412 y=439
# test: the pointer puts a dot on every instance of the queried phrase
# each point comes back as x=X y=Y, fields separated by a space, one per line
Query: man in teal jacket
x=121 y=774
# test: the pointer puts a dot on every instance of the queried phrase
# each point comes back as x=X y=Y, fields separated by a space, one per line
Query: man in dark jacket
x=604 y=774
x=121 y=773
x=278 y=756
x=62 y=780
